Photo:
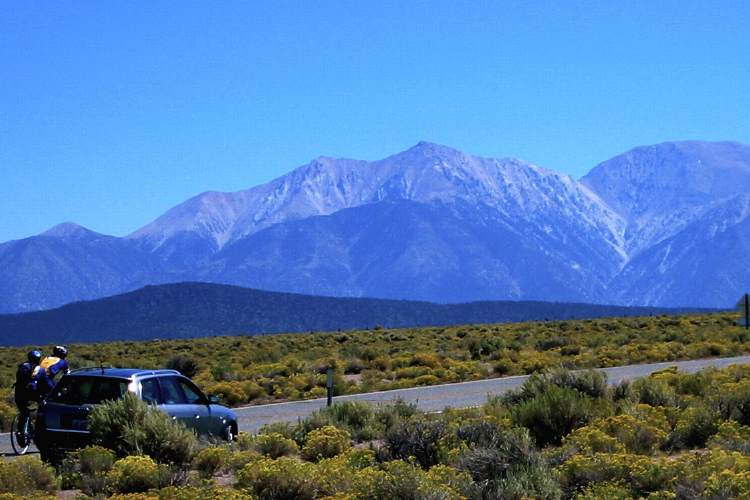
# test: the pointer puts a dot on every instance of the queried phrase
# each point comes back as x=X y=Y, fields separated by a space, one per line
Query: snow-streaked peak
x=659 y=189
x=427 y=172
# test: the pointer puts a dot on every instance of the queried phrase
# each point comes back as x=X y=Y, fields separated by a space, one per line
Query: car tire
x=228 y=434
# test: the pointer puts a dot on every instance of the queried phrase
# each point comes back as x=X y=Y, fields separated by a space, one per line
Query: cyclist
x=56 y=363
x=32 y=384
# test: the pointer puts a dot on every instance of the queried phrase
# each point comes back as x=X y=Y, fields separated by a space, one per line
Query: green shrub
x=93 y=459
x=503 y=463
x=253 y=391
x=485 y=431
x=276 y=445
x=623 y=392
x=732 y=401
x=428 y=379
x=694 y=427
x=6 y=415
x=27 y=476
x=13 y=480
x=326 y=442
x=183 y=363
x=355 y=415
x=389 y=415
x=418 y=438
x=244 y=441
x=655 y=391
x=87 y=469
x=109 y=423
x=131 y=427
x=209 y=460
x=696 y=470
x=532 y=480
x=286 y=429
x=552 y=414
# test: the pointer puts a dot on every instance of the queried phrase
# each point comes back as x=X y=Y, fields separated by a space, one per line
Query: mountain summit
x=431 y=223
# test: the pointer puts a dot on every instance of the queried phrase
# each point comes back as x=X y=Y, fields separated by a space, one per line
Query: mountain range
x=663 y=225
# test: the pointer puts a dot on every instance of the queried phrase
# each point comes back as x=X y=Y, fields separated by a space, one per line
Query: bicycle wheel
x=18 y=441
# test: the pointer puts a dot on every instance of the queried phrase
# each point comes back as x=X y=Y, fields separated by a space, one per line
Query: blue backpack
x=23 y=376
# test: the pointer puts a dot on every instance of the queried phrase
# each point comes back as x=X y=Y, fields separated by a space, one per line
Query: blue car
x=61 y=421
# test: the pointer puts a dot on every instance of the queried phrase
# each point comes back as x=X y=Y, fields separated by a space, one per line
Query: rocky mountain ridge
x=648 y=227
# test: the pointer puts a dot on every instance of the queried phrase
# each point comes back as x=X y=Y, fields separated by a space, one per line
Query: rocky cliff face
x=649 y=227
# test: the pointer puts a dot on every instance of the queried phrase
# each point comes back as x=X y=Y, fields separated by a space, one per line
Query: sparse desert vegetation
x=258 y=369
x=563 y=435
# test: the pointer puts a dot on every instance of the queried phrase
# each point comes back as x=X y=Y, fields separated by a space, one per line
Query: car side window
x=150 y=391
x=172 y=391
x=192 y=393
x=74 y=391
x=110 y=390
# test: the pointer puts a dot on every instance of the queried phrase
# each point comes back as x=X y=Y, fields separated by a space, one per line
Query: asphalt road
x=432 y=398
x=459 y=395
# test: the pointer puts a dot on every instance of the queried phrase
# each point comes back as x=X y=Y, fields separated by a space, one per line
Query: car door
x=186 y=403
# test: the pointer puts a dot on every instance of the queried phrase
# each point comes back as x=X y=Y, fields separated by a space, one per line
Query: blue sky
x=113 y=112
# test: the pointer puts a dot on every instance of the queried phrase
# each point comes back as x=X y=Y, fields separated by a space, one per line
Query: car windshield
x=87 y=390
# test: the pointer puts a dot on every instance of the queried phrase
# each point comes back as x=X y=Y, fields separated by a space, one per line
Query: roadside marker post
x=744 y=307
x=329 y=386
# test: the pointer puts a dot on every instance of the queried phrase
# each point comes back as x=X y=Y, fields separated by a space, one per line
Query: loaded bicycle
x=21 y=438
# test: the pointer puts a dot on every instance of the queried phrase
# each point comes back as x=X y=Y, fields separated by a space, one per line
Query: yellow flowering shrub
x=642 y=475
x=280 y=478
x=27 y=475
x=590 y=440
x=336 y=475
x=616 y=490
x=400 y=479
x=135 y=474
x=230 y=393
x=275 y=445
x=728 y=484
x=238 y=460
x=641 y=434
x=428 y=360
x=31 y=496
x=210 y=492
x=731 y=436
x=325 y=442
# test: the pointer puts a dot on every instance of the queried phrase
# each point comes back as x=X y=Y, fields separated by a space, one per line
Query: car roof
x=123 y=373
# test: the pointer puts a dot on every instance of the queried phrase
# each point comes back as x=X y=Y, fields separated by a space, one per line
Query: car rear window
x=87 y=390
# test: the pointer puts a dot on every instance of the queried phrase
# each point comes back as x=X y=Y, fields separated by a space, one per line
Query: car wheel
x=228 y=434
